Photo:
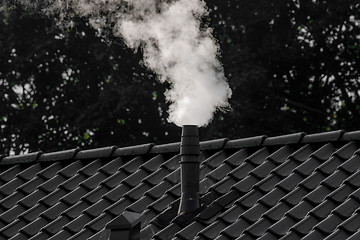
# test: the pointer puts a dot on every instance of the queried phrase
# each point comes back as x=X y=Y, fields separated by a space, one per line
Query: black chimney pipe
x=190 y=169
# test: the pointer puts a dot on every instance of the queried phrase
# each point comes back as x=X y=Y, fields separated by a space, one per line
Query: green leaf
x=120 y=121
x=86 y=136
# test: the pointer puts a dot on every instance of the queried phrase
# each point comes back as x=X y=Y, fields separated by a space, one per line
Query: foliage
x=292 y=65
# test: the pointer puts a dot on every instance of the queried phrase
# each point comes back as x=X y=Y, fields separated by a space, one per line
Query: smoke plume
x=174 y=44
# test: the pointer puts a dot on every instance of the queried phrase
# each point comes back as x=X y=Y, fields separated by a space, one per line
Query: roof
x=288 y=187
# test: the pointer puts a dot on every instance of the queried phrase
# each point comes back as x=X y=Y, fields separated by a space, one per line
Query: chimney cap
x=126 y=220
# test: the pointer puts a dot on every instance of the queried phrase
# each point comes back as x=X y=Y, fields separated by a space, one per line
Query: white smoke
x=174 y=45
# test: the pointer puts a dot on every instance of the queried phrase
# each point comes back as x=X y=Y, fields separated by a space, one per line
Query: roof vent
x=190 y=165
x=126 y=226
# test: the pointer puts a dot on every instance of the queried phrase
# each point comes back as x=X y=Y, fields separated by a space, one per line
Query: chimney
x=190 y=165
x=125 y=227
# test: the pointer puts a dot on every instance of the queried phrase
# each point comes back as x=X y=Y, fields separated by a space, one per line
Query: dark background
x=292 y=66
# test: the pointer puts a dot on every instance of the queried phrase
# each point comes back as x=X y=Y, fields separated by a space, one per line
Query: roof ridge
x=115 y=151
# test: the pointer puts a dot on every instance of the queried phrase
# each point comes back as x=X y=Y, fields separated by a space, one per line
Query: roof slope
x=289 y=187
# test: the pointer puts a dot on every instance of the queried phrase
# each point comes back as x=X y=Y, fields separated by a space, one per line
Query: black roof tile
x=234 y=230
x=213 y=144
x=318 y=195
x=305 y=226
x=341 y=194
x=351 y=165
x=285 y=139
x=290 y=182
x=257 y=230
x=346 y=151
x=346 y=209
x=133 y=150
x=190 y=231
x=213 y=230
x=104 y=152
x=10 y=174
x=273 y=197
x=254 y=213
x=277 y=212
x=350 y=136
x=268 y=184
x=154 y=163
x=329 y=224
x=12 y=229
x=246 y=142
x=74 y=196
x=324 y=152
x=300 y=211
x=250 y=188
x=114 y=209
x=355 y=236
x=33 y=213
x=323 y=210
x=295 y=196
x=165 y=148
x=56 y=156
x=323 y=137
x=54 y=212
x=95 y=195
x=352 y=224
x=26 y=158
